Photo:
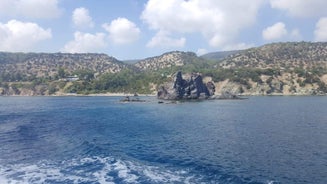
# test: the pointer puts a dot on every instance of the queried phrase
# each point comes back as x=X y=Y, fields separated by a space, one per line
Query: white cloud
x=301 y=8
x=321 y=30
x=201 y=51
x=81 y=18
x=278 y=32
x=85 y=42
x=163 y=39
x=30 y=8
x=122 y=31
x=274 y=32
x=21 y=36
x=218 y=21
x=237 y=46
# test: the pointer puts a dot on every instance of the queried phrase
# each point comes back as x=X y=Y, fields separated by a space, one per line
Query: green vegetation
x=132 y=81
x=267 y=69
x=127 y=81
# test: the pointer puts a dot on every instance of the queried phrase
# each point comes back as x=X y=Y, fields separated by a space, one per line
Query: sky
x=137 y=29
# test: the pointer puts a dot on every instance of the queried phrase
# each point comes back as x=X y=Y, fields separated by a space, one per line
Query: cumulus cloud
x=85 y=42
x=201 y=51
x=218 y=21
x=301 y=8
x=274 y=32
x=321 y=30
x=21 y=36
x=163 y=39
x=82 y=19
x=30 y=8
x=122 y=31
x=237 y=46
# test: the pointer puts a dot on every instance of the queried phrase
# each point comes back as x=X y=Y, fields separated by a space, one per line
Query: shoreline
x=84 y=95
x=147 y=95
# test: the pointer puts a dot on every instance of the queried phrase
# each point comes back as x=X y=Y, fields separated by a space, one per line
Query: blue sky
x=135 y=29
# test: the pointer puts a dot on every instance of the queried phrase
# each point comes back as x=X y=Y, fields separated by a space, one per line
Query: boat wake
x=92 y=170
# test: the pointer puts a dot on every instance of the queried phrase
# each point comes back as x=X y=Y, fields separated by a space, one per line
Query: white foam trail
x=107 y=171
x=271 y=182
x=124 y=172
x=21 y=174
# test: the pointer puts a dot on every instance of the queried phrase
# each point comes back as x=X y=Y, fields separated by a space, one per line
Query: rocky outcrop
x=228 y=95
x=190 y=87
x=12 y=90
x=131 y=99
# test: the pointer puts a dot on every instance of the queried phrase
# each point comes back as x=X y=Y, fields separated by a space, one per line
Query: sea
x=100 y=140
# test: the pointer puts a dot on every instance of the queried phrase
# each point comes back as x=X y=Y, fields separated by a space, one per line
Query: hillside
x=280 y=55
x=166 y=60
x=48 y=64
x=294 y=68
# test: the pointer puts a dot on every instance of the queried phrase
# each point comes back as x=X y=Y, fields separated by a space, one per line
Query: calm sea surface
x=99 y=140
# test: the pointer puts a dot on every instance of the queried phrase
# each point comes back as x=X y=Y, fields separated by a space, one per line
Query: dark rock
x=131 y=99
x=192 y=87
x=211 y=87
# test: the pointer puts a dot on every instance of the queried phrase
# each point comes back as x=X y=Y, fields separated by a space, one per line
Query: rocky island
x=191 y=87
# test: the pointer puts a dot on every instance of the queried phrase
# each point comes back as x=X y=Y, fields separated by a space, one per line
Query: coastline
x=76 y=94
x=59 y=94
x=144 y=95
x=100 y=94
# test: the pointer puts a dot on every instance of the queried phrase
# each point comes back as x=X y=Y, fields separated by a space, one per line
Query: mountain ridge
x=219 y=54
x=287 y=68
x=280 y=55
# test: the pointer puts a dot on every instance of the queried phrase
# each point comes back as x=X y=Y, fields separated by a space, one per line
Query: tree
x=322 y=87
x=86 y=75
x=61 y=72
x=52 y=89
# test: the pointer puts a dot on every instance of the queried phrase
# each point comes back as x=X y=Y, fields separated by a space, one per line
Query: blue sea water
x=268 y=140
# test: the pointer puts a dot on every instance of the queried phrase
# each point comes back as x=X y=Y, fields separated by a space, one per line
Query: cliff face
x=189 y=87
x=285 y=84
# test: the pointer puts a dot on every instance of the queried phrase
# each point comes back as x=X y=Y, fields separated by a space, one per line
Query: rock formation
x=192 y=87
